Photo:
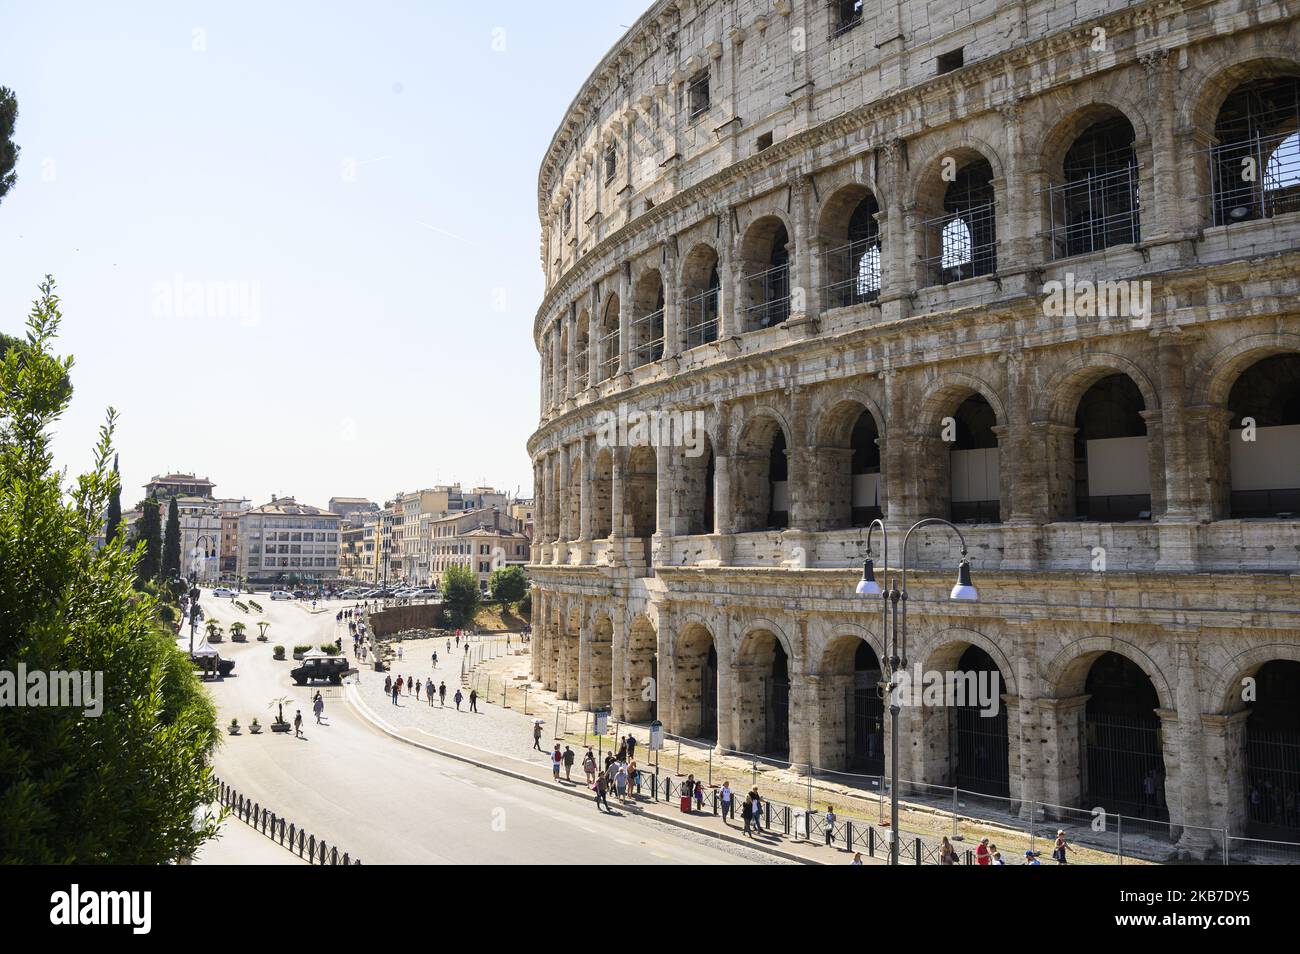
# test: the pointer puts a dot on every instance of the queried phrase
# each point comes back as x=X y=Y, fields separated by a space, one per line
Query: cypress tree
x=171 y=550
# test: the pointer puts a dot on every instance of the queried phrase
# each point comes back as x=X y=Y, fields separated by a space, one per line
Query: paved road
x=389 y=803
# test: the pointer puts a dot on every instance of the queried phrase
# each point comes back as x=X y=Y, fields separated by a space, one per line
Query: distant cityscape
x=411 y=539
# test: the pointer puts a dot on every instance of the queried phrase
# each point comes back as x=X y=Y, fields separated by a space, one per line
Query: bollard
x=679 y=757
x=525 y=700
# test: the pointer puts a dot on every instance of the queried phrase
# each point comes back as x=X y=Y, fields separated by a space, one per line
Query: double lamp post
x=893 y=600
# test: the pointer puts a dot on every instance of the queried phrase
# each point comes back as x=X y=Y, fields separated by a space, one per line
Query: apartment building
x=285 y=539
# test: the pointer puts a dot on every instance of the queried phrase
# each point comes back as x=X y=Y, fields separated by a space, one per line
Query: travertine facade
x=856 y=240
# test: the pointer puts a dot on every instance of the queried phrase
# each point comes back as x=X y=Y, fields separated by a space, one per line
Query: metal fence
x=280 y=830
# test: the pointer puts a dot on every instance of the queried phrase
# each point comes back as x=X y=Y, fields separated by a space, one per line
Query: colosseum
x=1029 y=266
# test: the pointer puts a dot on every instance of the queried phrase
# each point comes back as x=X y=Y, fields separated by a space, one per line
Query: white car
x=224 y=591
x=281 y=595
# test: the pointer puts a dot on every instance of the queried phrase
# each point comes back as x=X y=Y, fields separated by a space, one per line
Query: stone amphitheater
x=1029 y=266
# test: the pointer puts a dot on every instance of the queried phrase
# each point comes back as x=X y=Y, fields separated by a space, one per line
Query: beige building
x=284 y=539
x=879 y=265
x=200 y=524
x=522 y=511
x=178 y=485
x=483 y=540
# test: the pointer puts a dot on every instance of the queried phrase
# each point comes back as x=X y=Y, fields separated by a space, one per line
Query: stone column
x=896 y=272
x=804 y=297
x=1177 y=528
x=1224 y=736
x=1208 y=454
x=557 y=364
x=587 y=490
x=1028 y=726
x=539 y=635
x=593 y=337
x=1061 y=721
x=571 y=374
x=1194 y=791
x=672 y=310
x=584 y=659
x=624 y=315
x=726 y=683
x=618 y=663
x=616 y=493
x=562 y=496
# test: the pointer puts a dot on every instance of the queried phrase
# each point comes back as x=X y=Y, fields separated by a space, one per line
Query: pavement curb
x=369 y=716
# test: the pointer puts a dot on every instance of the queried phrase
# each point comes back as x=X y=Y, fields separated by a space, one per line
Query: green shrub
x=277 y=652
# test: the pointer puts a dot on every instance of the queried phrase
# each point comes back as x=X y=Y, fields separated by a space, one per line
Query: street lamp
x=891 y=596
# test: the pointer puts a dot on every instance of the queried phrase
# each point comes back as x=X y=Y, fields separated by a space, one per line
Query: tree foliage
x=508 y=584
x=148 y=532
x=113 y=520
x=8 y=148
x=171 y=550
x=122 y=787
x=460 y=594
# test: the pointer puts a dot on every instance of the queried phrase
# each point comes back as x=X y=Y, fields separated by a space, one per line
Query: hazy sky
x=297 y=244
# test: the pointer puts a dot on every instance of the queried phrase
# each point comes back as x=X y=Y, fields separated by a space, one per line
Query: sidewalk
x=501 y=740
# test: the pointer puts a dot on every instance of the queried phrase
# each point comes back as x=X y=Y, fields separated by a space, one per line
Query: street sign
x=656 y=735
x=602 y=721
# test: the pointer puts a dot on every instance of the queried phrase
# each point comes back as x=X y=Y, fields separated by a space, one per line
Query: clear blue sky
x=363 y=173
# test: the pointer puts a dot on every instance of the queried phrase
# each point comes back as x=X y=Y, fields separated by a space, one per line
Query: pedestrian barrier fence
x=278 y=829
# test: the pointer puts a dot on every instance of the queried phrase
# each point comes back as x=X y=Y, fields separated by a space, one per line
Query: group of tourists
x=412 y=686
x=987 y=853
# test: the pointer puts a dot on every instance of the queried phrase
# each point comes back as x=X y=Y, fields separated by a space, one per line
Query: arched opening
x=978 y=732
x=609 y=339
x=562 y=377
x=1112 y=472
x=640 y=492
x=763 y=696
x=697 y=490
x=580 y=351
x=850 y=724
x=602 y=662
x=851 y=238
x=767 y=274
x=696 y=684
x=573 y=525
x=1123 y=751
x=647 y=327
x=602 y=494
x=570 y=669
x=973 y=463
x=1096 y=204
x=1264 y=439
x=641 y=704
x=864 y=468
x=846 y=468
x=761 y=486
x=961 y=240
x=703 y=288
x=1256 y=161
x=1272 y=769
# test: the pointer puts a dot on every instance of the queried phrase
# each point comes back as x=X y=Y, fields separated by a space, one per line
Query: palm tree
x=214 y=630
x=262 y=627
x=237 y=631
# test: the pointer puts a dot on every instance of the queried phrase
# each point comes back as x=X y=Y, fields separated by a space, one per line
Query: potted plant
x=234 y=727
x=300 y=651
x=237 y=632
x=214 y=631
x=255 y=727
x=262 y=627
x=277 y=652
x=280 y=724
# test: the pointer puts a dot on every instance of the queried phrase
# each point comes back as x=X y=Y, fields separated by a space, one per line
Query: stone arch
x=847 y=451
x=765 y=258
x=1057 y=401
x=601 y=679
x=573 y=521
x=608 y=340
x=1212 y=79
x=696 y=665
x=848 y=732
x=763 y=667
x=1225 y=690
x=944 y=648
x=759 y=490
x=696 y=266
x=646 y=328
x=948 y=391
x=1220 y=372
x=697 y=478
x=1059 y=136
x=581 y=349
x=640 y=491
x=1067 y=673
x=602 y=494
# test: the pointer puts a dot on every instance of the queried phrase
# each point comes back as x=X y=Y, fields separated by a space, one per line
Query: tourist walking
x=631 y=746
x=399 y=652
x=417 y=690
x=457 y=698
x=473 y=700
x=442 y=694
x=388 y=684
x=297 y=723
x=588 y=760
x=318 y=706
x=429 y=692
x=947 y=856
x=556 y=760
x=747 y=815
x=602 y=789
x=830 y=824
x=1058 y=852
x=699 y=795
x=620 y=781
x=568 y=763
x=982 y=852
x=537 y=737
x=724 y=796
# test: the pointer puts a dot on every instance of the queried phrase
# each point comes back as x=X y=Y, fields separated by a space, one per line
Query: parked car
x=224 y=591
x=281 y=595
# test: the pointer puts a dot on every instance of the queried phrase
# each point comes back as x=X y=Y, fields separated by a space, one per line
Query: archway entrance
x=1273 y=752
x=696 y=685
x=1123 y=751
x=979 y=738
x=641 y=702
x=763 y=696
